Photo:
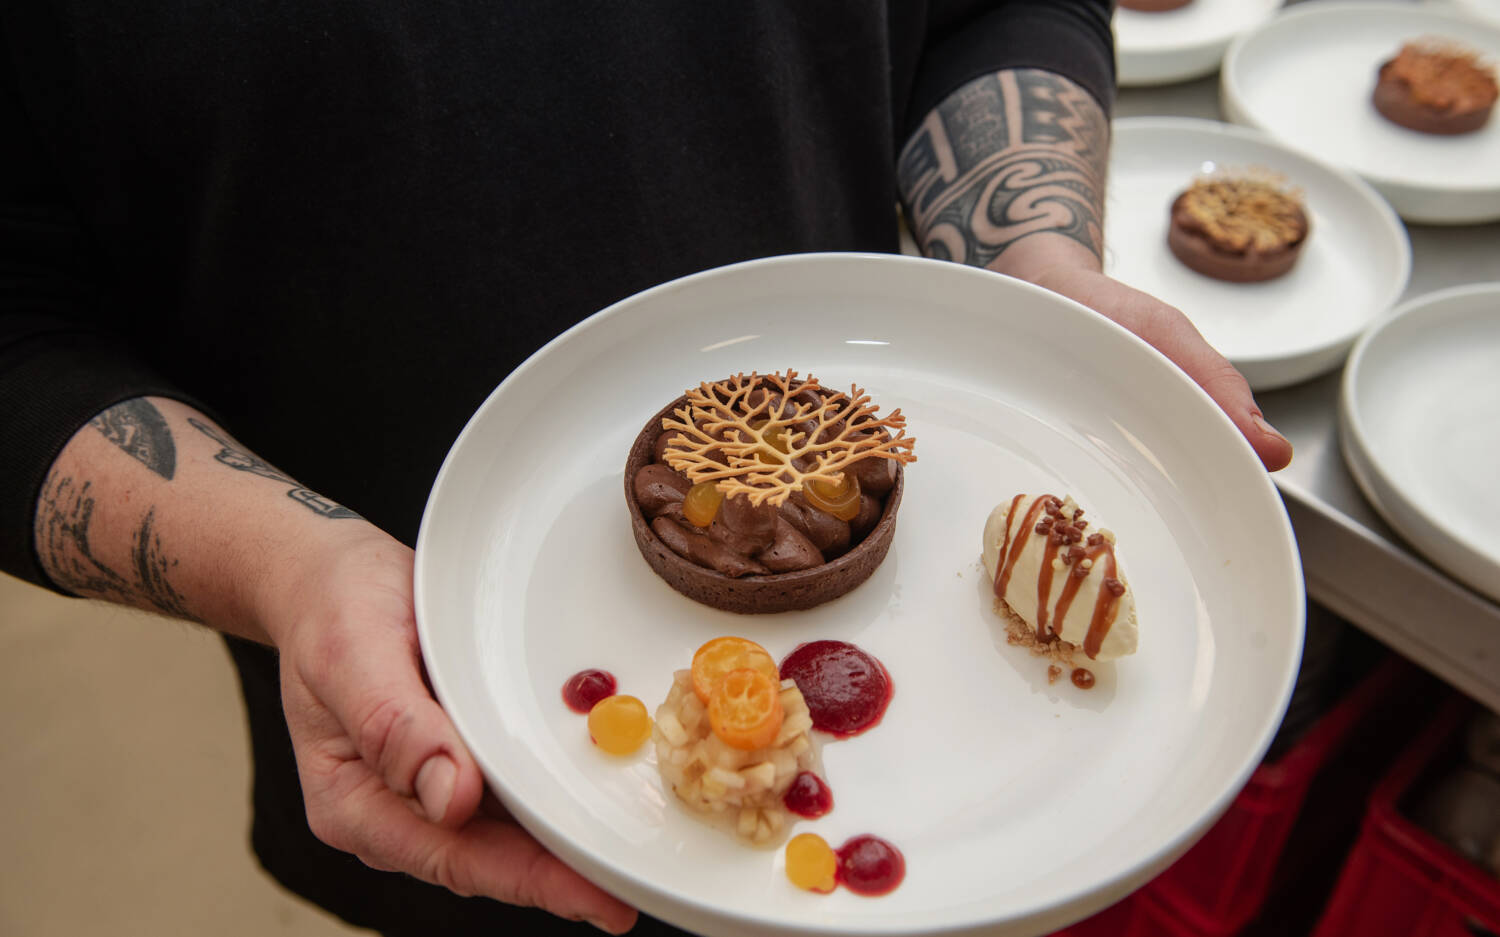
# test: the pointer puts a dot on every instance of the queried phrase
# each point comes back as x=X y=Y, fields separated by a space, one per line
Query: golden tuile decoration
x=730 y=419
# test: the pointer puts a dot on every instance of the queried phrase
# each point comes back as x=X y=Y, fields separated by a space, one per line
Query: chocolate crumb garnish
x=1240 y=214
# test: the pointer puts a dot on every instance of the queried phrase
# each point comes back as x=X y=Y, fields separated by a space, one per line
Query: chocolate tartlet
x=769 y=493
x=1239 y=229
x=1153 y=6
x=1436 y=87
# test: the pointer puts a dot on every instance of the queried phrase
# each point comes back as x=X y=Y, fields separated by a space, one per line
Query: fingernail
x=599 y=924
x=1264 y=427
x=435 y=783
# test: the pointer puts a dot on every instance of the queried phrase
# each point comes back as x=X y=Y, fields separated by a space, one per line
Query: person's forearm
x=1008 y=173
x=153 y=505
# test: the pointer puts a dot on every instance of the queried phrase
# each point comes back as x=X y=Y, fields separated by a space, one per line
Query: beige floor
x=123 y=767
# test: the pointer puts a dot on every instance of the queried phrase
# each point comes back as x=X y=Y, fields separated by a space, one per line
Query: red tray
x=1400 y=879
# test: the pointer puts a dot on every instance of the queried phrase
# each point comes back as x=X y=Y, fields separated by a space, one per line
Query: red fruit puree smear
x=868 y=865
x=808 y=796
x=846 y=689
x=587 y=687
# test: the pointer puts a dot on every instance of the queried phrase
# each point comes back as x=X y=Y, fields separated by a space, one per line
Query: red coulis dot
x=808 y=796
x=587 y=687
x=868 y=865
x=846 y=689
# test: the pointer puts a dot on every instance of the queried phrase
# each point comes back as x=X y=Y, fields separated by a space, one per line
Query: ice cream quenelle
x=1060 y=577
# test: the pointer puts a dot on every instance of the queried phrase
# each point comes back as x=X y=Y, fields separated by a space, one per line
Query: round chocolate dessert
x=766 y=493
x=1243 y=230
x=1436 y=87
x=1153 y=6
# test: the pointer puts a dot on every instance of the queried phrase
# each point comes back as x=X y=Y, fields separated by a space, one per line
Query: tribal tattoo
x=240 y=459
x=141 y=431
x=65 y=513
x=1012 y=154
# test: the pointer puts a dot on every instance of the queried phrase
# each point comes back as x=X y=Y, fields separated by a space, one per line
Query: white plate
x=1419 y=420
x=1306 y=78
x=1352 y=270
x=1019 y=806
x=1185 y=43
x=1488 y=10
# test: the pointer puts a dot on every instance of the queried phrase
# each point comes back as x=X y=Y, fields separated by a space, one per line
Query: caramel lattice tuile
x=726 y=434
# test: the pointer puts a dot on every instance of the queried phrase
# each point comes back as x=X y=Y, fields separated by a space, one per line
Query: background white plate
x=1182 y=44
x=1306 y=78
x=1019 y=806
x=1352 y=270
x=1419 y=421
x=1488 y=10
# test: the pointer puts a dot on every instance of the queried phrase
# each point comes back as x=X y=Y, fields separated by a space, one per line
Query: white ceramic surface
x=1419 y=420
x=1019 y=806
x=1185 y=43
x=1306 y=78
x=1487 y=10
x=1352 y=270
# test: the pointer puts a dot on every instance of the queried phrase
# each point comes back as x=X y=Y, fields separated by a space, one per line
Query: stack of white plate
x=1185 y=43
x=1419 y=420
x=1305 y=77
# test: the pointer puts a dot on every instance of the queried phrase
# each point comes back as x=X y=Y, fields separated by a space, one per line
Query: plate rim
x=1368 y=195
x=1434 y=537
x=1193 y=56
x=1234 y=96
x=1113 y=888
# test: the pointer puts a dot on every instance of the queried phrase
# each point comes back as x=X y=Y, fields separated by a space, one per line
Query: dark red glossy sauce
x=846 y=689
x=1083 y=678
x=808 y=796
x=587 y=687
x=868 y=865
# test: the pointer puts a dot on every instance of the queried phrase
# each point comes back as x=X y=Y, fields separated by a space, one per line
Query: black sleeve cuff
x=1071 y=38
x=52 y=382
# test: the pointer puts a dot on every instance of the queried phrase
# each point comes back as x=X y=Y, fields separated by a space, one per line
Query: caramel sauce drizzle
x=1009 y=556
x=1098 y=551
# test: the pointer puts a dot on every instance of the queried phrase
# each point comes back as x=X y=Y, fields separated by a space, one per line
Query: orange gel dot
x=811 y=863
x=619 y=724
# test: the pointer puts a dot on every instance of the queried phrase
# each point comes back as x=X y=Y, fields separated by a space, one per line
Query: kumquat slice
x=744 y=709
x=721 y=655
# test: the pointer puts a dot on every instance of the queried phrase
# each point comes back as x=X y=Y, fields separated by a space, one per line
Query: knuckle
x=378 y=735
x=441 y=868
x=327 y=828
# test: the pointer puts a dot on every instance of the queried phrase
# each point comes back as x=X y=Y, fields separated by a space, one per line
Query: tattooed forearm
x=65 y=514
x=1006 y=156
x=236 y=457
x=140 y=430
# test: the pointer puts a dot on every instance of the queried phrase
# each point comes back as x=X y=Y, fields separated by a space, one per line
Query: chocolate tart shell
x=1199 y=253
x=1393 y=99
x=751 y=595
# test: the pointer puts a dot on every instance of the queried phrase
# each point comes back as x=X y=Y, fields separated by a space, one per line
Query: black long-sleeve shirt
x=339 y=225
